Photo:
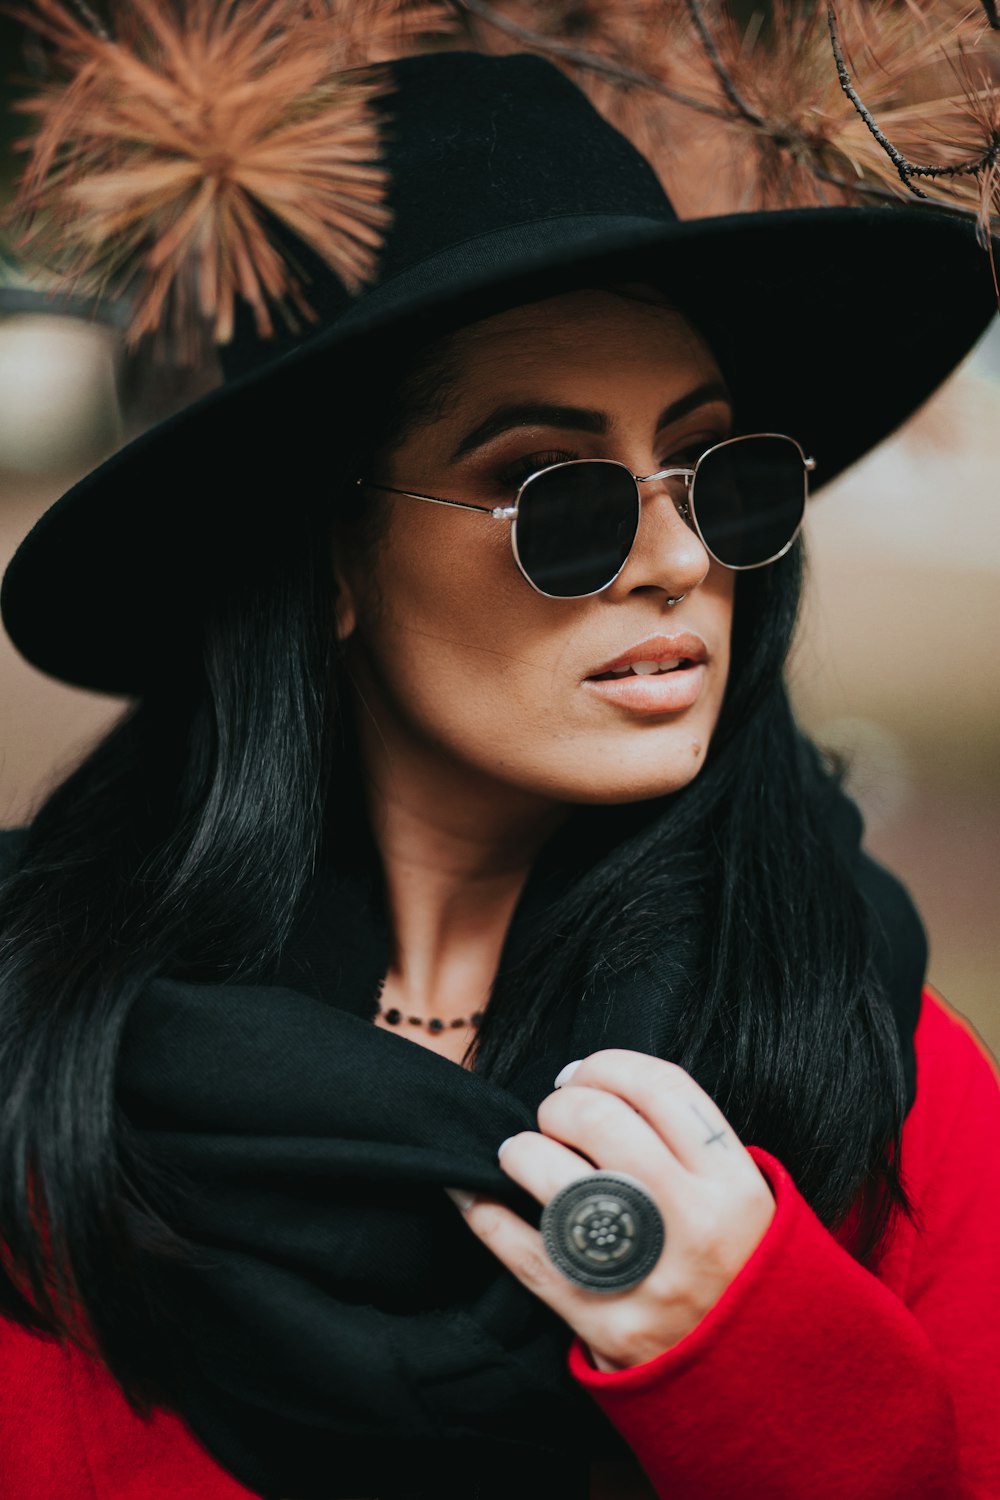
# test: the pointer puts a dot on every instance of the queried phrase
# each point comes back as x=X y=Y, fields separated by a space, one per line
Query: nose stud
x=677 y=599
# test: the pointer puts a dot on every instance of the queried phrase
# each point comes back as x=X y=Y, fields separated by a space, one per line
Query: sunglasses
x=573 y=524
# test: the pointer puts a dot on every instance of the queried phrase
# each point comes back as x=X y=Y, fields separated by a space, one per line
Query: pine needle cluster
x=171 y=137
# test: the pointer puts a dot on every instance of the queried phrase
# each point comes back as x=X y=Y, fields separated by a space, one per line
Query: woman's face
x=452 y=651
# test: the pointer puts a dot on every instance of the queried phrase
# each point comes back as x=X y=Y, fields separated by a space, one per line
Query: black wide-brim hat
x=831 y=324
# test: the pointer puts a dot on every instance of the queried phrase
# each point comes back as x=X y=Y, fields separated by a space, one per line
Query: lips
x=670 y=652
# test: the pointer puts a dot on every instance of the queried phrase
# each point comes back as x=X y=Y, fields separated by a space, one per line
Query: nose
x=667 y=553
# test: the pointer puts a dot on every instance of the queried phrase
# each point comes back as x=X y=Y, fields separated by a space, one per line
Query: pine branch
x=906 y=168
x=899 y=161
x=962 y=169
x=887 y=195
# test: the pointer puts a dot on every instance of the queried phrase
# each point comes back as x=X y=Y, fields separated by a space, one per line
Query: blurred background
x=895 y=664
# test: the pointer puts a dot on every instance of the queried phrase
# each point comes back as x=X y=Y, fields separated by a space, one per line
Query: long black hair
x=185 y=841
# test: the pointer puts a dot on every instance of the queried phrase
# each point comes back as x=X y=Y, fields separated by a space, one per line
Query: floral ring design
x=603 y=1231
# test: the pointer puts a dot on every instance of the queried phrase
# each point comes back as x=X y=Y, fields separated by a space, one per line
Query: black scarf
x=344 y=1333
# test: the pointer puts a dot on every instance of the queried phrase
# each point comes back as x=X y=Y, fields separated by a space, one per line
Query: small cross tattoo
x=719 y=1134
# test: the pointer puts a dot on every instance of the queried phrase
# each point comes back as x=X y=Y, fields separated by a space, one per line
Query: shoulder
x=950 y=1156
x=951 y=1054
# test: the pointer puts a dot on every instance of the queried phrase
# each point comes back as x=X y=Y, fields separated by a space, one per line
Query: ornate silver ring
x=603 y=1232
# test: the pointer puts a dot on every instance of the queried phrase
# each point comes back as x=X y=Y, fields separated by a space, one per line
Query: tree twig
x=581 y=58
x=886 y=195
x=722 y=73
x=903 y=167
x=962 y=169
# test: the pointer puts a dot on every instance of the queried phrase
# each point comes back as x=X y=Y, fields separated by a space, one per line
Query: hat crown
x=474 y=145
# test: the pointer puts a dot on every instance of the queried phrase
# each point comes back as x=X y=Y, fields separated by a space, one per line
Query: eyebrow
x=578 y=418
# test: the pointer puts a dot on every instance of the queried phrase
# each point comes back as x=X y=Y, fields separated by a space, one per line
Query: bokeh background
x=895 y=665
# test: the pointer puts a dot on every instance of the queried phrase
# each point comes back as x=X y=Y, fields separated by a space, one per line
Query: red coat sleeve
x=814 y=1375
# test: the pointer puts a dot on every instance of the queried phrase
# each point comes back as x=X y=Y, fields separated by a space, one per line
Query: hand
x=626 y=1111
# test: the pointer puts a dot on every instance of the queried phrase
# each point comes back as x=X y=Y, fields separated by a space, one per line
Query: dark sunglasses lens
x=575 y=526
x=749 y=497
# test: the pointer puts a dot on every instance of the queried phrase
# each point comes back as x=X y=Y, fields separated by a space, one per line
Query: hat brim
x=831 y=324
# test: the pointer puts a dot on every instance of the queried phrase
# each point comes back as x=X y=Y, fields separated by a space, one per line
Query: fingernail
x=461 y=1198
x=565 y=1074
x=504 y=1143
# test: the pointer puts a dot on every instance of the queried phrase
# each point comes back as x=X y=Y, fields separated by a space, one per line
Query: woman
x=468 y=743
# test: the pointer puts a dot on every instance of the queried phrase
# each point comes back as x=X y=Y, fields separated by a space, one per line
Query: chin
x=618 y=796
x=643 y=785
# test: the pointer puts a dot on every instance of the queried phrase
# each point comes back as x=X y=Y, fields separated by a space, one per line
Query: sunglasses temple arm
x=389 y=489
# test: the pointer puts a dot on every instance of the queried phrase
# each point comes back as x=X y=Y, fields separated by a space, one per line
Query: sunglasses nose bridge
x=664 y=478
x=671 y=482
x=687 y=474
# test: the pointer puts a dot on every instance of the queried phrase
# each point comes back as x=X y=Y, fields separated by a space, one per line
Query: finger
x=676 y=1107
x=543 y=1166
x=605 y=1128
x=521 y=1250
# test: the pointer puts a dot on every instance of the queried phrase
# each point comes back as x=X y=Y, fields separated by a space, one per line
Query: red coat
x=810 y=1377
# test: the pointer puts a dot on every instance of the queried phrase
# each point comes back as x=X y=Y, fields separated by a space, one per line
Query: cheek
x=448 y=621
x=460 y=654
x=449 y=576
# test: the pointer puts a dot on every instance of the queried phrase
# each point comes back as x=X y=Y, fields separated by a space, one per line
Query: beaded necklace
x=394 y=1016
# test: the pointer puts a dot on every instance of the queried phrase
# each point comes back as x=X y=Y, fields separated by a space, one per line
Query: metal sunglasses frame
x=510 y=512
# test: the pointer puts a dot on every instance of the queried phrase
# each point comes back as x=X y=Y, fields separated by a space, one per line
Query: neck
x=456 y=848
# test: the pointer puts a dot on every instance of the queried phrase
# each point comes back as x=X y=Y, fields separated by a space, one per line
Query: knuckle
x=708 y=1228
x=488 y=1221
x=584 y=1104
x=747 y=1196
x=594 y=1107
x=674 y=1075
x=622 y=1343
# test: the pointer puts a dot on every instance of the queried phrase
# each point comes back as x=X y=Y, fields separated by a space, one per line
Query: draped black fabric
x=344 y=1333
